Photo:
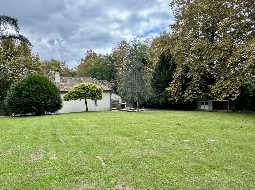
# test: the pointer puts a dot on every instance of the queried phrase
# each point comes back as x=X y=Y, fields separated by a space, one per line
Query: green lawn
x=124 y=151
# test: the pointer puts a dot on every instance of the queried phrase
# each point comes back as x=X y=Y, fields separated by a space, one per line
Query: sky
x=66 y=29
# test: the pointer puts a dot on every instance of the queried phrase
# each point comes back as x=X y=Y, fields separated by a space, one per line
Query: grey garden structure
x=214 y=105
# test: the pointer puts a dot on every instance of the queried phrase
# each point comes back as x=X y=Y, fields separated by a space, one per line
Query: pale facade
x=79 y=105
x=67 y=83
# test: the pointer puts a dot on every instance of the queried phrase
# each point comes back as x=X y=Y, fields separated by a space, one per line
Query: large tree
x=16 y=61
x=102 y=69
x=118 y=57
x=97 y=66
x=134 y=84
x=119 y=54
x=16 y=57
x=162 y=75
x=211 y=53
x=162 y=43
x=90 y=58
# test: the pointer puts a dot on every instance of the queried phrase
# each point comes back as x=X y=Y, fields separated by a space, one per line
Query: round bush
x=35 y=94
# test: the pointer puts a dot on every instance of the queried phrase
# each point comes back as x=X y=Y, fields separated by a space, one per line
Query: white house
x=105 y=104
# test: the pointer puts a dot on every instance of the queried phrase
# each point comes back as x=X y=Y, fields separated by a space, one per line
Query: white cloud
x=65 y=29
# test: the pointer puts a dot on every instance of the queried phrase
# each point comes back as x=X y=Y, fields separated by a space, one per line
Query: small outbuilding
x=105 y=104
x=214 y=105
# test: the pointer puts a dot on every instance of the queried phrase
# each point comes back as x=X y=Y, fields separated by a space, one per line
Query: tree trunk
x=137 y=105
x=86 y=104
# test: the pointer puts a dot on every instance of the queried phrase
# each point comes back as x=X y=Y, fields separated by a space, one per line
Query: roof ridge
x=66 y=83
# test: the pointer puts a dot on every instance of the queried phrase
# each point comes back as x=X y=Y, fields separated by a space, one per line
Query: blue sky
x=65 y=29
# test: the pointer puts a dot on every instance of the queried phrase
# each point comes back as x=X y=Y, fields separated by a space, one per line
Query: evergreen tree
x=161 y=78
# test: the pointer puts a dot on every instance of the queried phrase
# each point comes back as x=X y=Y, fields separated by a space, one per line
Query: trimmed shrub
x=84 y=91
x=35 y=94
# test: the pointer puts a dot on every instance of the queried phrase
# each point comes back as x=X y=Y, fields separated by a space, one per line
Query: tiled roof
x=67 y=83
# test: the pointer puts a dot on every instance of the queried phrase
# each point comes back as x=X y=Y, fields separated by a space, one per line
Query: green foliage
x=162 y=43
x=118 y=55
x=246 y=99
x=97 y=66
x=161 y=77
x=16 y=61
x=90 y=59
x=16 y=58
x=134 y=84
x=7 y=22
x=102 y=69
x=214 y=40
x=4 y=84
x=84 y=91
x=48 y=68
x=34 y=94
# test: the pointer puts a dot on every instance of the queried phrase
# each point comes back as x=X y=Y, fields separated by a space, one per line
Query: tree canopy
x=214 y=41
x=162 y=75
x=7 y=23
x=16 y=61
x=97 y=66
x=84 y=91
x=134 y=84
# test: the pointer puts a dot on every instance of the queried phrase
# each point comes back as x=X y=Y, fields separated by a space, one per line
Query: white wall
x=79 y=105
x=116 y=97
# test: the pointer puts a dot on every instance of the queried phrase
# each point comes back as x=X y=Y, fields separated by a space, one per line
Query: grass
x=124 y=151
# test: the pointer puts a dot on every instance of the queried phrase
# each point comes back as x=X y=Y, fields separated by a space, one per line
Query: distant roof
x=67 y=83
